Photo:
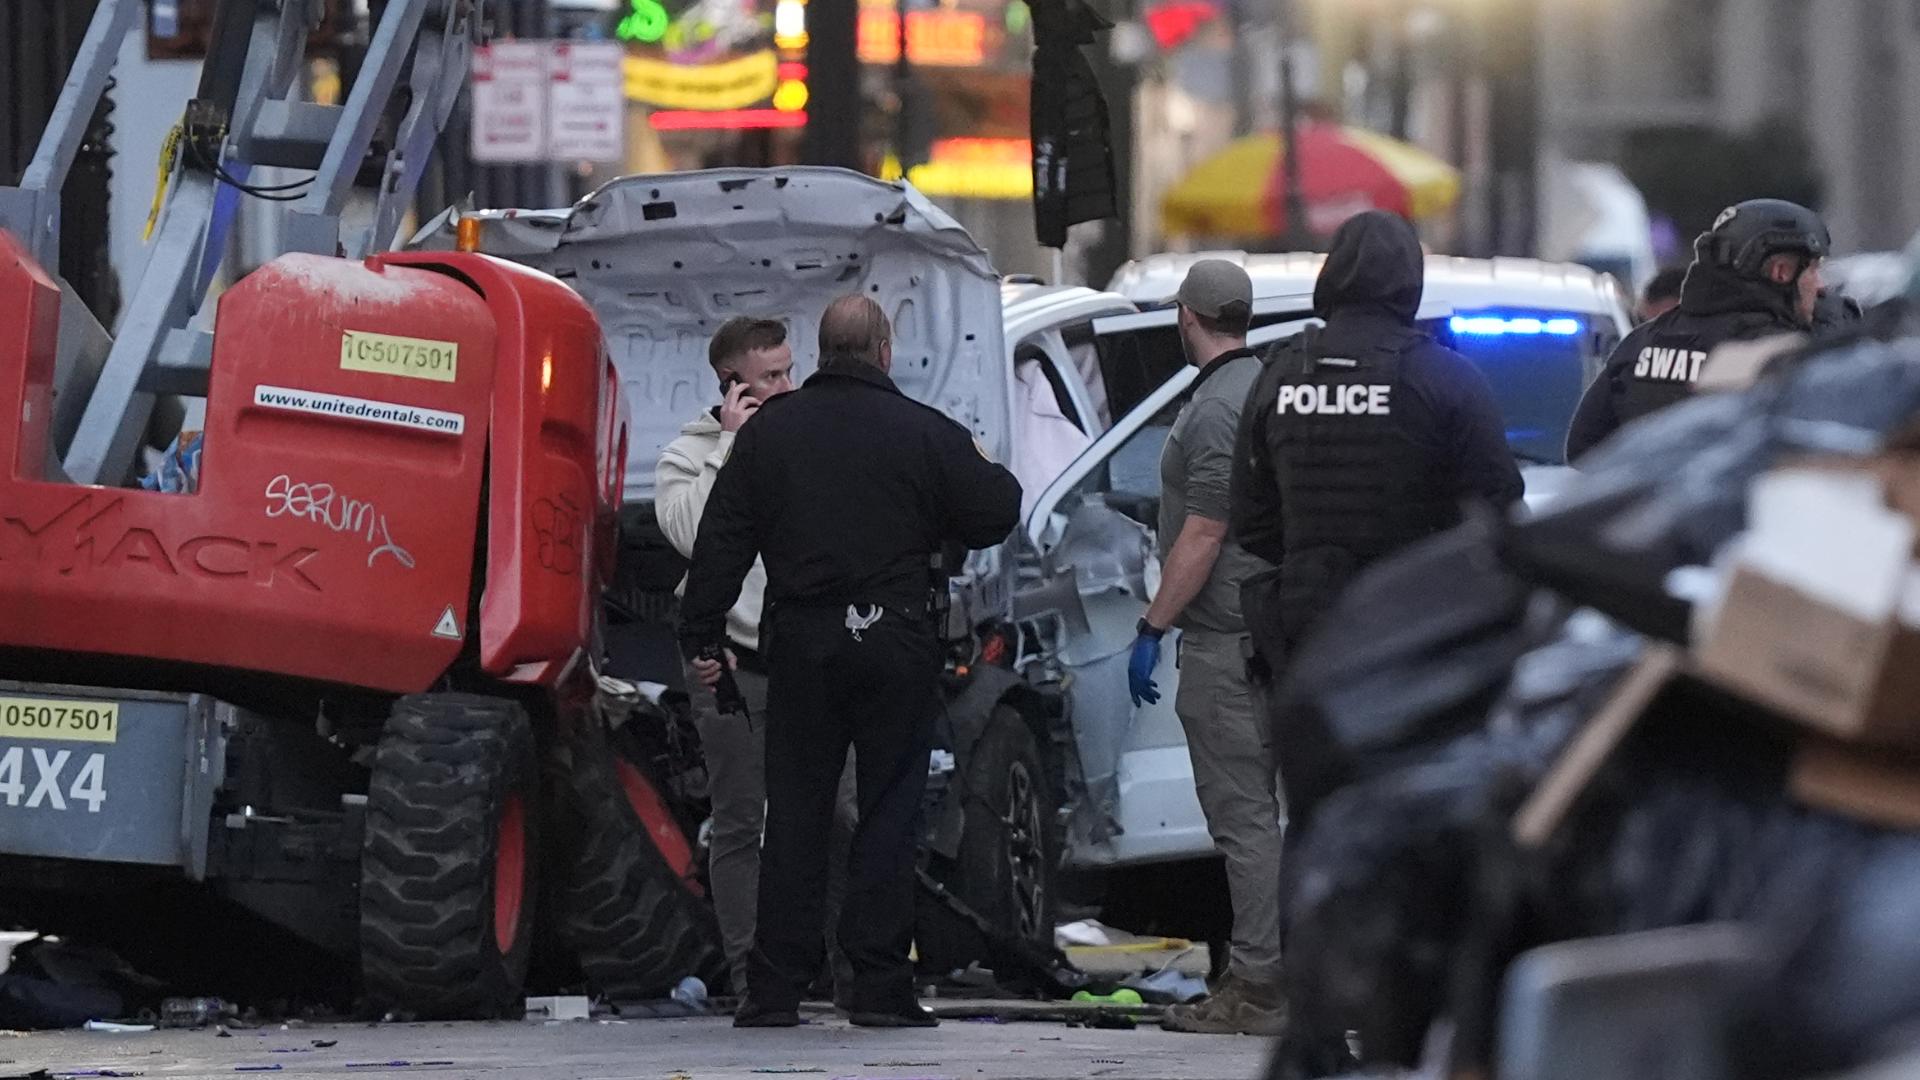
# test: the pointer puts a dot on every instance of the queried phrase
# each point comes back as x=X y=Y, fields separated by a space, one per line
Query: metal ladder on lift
x=244 y=114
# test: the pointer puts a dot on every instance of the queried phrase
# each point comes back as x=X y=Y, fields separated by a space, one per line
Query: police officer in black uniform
x=846 y=488
x=1754 y=274
x=1361 y=436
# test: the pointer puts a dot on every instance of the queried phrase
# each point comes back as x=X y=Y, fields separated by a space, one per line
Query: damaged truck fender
x=967 y=716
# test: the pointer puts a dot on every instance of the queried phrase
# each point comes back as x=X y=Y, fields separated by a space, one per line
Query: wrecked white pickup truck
x=1045 y=765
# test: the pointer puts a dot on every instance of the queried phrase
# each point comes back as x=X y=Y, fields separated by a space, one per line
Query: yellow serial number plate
x=386 y=354
x=70 y=721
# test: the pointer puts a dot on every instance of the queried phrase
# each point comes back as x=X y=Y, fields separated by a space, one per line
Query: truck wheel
x=448 y=871
x=632 y=907
x=1009 y=850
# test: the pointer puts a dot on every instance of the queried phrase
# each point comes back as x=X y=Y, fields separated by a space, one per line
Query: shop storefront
x=727 y=82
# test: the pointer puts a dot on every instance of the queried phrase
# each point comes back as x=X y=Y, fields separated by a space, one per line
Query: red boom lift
x=350 y=682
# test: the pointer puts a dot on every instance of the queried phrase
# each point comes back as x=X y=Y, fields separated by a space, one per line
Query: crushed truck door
x=1089 y=568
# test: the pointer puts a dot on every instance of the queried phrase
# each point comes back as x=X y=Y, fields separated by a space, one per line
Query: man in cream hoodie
x=754 y=362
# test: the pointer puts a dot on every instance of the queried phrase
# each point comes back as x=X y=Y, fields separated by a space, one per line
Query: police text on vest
x=1349 y=400
x=1668 y=365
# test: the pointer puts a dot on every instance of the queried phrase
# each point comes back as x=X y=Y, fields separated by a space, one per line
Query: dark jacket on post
x=1073 y=168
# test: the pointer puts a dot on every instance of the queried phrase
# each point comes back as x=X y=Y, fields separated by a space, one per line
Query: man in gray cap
x=1234 y=770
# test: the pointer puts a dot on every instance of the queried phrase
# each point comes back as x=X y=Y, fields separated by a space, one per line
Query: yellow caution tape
x=169 y=157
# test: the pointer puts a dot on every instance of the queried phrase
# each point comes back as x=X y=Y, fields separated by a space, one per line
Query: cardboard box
x=1870 y=785
x=1839 y=674
x=1820 y=620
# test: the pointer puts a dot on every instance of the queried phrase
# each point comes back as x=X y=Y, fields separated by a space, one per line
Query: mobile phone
x=727 y=384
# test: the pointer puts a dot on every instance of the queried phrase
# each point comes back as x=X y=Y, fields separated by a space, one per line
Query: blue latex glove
x=1146 y=657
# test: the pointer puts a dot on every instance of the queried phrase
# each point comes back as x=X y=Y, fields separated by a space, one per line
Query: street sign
x=587 y=102
x=510 y=101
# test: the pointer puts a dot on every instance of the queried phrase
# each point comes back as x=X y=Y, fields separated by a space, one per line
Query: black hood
x=1711 y=289
x=1375 y=263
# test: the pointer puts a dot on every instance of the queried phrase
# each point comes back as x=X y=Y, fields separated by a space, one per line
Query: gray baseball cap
x=1212 y=284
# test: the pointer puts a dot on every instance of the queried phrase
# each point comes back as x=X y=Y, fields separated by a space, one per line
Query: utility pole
x=1240 y=67
x=833 y=79
x=1514 y=134
x=1292 y=198
x=913 y=123
x=1400 y=70
x=902 y=90
x=1117 y=84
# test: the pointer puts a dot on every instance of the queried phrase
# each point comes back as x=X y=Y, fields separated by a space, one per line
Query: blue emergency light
x=1499 y=325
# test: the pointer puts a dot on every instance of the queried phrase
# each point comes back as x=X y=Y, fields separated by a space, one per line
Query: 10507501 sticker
x=390 y=354
x=42 y=778
x=64 y=721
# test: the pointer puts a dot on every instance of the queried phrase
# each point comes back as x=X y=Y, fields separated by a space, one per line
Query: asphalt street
x=696 y=1049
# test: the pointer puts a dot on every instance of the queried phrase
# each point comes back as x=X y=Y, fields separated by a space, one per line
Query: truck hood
x=664 y=260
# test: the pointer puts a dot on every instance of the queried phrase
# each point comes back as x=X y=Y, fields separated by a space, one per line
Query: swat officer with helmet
x=1360 y=437
x=1754 y=274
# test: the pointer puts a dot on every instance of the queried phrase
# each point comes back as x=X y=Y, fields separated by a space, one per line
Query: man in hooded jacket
x=1756 y=273
x=1361 y=437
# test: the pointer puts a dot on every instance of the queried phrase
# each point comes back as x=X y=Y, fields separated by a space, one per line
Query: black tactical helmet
x=1746 y=234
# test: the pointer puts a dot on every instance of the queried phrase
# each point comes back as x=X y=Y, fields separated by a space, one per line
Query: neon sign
x=645 y=22
x=726 y=120
x=731 y=84
x=972 y=168
x=937 y=38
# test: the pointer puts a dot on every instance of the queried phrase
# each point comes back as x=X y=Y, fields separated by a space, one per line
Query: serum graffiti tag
x=322 y=505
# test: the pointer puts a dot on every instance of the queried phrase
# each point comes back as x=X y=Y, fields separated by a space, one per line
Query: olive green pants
x=1236 y=775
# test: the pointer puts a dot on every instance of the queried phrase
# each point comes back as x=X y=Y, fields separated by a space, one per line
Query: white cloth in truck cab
x=1045 y=441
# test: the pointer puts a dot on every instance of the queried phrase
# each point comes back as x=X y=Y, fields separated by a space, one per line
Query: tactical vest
x=1353 y=487
x=1663 y=372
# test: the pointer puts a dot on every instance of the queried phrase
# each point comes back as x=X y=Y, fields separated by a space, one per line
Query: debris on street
x=118 y=1029
x=11 y=940
x=558 y=1008
x=180 y=1012
x=1718 y=746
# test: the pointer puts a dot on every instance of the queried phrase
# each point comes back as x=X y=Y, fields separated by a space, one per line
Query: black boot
x=753 y=1015
x=912 y=1015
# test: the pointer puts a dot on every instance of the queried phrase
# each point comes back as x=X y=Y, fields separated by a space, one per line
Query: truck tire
x=449 y=867
x=632 y=908
x=1007 y=864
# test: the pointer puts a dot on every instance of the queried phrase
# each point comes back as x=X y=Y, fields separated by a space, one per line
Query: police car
x=1086 y=555
x=1045 y=766
x=1540 y=331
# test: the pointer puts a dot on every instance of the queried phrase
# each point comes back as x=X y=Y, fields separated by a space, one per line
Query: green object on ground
x=1122 y=996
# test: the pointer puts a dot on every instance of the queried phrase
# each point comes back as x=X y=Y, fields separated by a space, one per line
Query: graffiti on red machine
x=322 y=505
x=85 y=536
x=556 y=525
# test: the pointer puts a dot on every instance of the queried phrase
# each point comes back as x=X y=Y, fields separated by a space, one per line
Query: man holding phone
x=754 y=363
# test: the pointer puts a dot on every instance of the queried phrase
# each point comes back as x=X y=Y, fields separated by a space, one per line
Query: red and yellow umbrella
x=1343 y=171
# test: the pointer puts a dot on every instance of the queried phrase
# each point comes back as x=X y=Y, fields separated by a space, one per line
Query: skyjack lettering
x=83 y=537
